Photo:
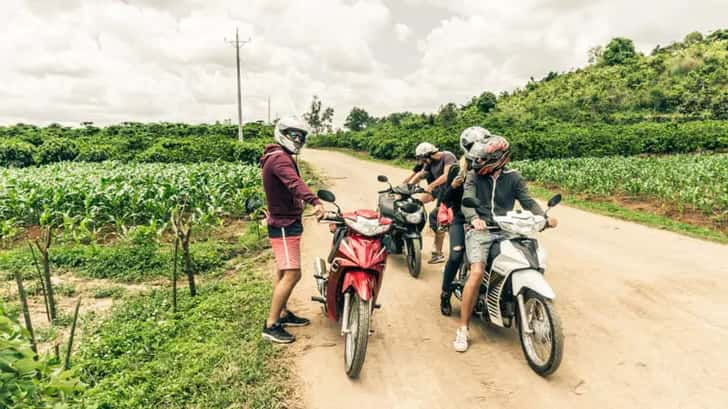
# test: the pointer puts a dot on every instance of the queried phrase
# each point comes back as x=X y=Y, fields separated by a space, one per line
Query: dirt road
x=644 y=312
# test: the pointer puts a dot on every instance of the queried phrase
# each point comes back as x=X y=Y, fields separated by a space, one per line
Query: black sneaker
x=445 y=306
x=437 y=259
x=276 y=333
x=291 y=320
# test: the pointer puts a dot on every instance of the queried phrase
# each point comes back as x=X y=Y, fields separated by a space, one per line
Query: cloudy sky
x=109 y=61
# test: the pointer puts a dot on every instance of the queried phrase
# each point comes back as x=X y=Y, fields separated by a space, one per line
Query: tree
x=357 y=119
x=619 y=51
x=485 y=102
x=595 y=54
x=447 y=114
x=318 y=120
x=693 y=38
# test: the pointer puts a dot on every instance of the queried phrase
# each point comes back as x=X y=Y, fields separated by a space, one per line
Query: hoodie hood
x=269 y=150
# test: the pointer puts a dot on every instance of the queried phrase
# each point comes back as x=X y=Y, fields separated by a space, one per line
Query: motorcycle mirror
x=382 y=178
x=326 y=196
x=555 y=200
x=471 y=202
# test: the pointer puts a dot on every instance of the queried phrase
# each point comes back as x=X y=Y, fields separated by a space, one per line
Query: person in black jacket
x=497 y=188
x=451 y=196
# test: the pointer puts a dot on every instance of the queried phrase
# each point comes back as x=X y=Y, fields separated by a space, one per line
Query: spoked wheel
x=355 y=340
x=544 y=346
x=414 y=256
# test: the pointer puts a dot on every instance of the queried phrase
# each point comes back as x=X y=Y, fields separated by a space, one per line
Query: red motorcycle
x=349 y=287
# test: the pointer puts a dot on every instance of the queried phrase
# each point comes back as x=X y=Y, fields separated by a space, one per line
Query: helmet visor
x=297 y=136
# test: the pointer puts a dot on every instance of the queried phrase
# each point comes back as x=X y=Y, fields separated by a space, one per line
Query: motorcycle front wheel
x=414 y=256
x=544 y=346
x=357 y=336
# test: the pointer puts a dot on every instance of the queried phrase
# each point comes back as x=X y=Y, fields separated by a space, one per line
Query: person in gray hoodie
x=497 y=188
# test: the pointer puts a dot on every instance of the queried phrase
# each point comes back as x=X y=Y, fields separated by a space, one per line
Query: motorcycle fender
x=362 y=282
x=532 y=280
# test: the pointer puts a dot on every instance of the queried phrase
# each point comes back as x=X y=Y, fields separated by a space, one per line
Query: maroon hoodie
x=285 y=191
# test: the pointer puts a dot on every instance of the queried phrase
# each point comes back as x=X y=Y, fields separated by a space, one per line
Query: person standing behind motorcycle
x=286 y=195
x=497 y=188
x=452 y=198
x=435 y=165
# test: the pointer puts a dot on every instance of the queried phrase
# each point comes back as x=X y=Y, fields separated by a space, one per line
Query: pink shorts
x=287 y=251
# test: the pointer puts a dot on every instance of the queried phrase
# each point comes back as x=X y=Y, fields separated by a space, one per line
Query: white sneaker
x=461 y=340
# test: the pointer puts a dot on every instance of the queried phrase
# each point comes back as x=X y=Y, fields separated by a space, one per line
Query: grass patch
x=212 y=346
x=595 y=206
x=114 y=292
x=124 y=262
x=649 y=219
x=311 y=176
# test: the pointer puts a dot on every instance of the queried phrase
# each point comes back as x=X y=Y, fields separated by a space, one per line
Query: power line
x=238 y=45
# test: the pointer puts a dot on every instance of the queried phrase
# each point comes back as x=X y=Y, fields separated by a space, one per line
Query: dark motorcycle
x=409 y=217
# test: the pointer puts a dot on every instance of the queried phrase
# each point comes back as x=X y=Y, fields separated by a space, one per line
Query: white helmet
x=424 y=150
x=291 y=133
x=472 y=135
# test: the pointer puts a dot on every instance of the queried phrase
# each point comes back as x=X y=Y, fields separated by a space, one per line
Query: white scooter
x=514 y=287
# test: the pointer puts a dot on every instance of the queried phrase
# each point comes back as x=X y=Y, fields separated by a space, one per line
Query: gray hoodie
x=497 y=192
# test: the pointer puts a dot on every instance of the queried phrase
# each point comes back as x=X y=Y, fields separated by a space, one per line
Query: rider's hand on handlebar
x=457 y=182
x=479 y=224
x=319 y=211
x=553 y=222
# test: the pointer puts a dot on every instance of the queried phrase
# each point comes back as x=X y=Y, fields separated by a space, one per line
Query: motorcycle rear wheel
x=414 y=256
x=544 y=347
x=357 y=337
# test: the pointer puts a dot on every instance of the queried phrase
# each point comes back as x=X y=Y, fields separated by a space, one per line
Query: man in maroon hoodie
x=286 y=194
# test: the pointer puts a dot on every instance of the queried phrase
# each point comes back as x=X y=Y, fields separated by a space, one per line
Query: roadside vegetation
x=168 y=264
x=25 y=145
x=643 y=133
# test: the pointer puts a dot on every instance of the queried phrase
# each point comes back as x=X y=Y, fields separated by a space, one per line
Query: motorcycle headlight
x=414 y=218
x=367 y=227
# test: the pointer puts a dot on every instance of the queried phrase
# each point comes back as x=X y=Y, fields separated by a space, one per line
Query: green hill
x=624 y=103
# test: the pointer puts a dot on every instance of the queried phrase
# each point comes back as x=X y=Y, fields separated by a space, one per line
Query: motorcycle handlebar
x=331 y=217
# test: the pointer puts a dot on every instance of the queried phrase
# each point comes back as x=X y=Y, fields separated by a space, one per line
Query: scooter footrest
x=316 y=298
x=377 y=306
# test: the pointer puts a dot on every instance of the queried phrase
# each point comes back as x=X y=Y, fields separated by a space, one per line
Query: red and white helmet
x=491 y=155
x=291 y=134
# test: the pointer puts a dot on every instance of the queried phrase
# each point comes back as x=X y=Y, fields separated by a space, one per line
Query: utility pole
x=237 y=44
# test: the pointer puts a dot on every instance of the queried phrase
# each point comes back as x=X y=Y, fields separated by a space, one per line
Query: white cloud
x=153 y=60
x=403 y=32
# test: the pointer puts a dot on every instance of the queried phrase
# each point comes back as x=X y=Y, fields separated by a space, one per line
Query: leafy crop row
x=27 y=145
x=697 y=182
x=87 y=197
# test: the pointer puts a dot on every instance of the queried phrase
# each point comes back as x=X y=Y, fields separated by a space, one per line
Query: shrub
x=16 y=153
